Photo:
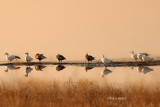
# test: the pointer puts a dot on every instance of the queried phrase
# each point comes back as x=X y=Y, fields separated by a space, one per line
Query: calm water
x=115 y=75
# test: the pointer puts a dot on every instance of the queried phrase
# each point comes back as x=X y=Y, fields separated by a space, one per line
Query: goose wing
x=91 y=57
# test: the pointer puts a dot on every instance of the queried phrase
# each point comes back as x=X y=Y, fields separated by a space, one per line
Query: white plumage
x=28 y=58
x=105 y=60
x=147 y=58
x=133 y=56
x=139 y=56
x=11 y=57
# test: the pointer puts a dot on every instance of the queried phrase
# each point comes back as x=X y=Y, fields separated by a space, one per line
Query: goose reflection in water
x=60 y=67
x=105 y=72
x=28 y=70
x=144 y=69
x=11 y=67
x=88 y=67
x=40 y=67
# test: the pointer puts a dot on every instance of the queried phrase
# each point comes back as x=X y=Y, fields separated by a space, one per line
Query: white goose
x=134 y=56
x=106 y=60
x=139 y=56
x=28 y=58
x=147 y=58
x=11 y=57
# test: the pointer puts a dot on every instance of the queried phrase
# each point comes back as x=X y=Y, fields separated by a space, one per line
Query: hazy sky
x=73 y=27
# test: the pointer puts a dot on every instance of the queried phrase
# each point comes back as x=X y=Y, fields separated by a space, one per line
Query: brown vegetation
x=82 y=93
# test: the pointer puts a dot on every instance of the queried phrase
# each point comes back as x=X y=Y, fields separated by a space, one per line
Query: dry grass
x=37 y=93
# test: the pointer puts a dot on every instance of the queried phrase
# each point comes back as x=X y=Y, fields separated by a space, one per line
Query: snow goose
x=134 y=56
x=60 y=57
x=11 y=57
x=40 y=57
x=139 y=56
x=105 y=60
x=147 y=58
x=89 y=57
x=28 y=58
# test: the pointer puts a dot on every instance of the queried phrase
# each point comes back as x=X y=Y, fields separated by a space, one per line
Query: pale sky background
x=73 y=27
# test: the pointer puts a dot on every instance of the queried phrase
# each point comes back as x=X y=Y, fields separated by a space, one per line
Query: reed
x=37 y=93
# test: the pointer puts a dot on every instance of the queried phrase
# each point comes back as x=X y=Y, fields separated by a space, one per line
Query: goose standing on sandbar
x=147 y=58
x=89 y=57
x=40 y=57
x=11 y=57
x=60 y=57
x=134 y=56
x=139 y=56
x=28 y=58
x=105 y=61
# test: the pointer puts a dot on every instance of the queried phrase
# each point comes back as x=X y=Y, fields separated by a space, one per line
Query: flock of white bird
x=141 y=56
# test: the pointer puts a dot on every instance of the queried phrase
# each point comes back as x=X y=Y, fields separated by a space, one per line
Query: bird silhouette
x=89 y=57
x=60 y=57
x=40 y=57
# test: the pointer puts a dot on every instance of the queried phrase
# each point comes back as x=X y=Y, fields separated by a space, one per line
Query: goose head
x=27 y=53
x=6 y=54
